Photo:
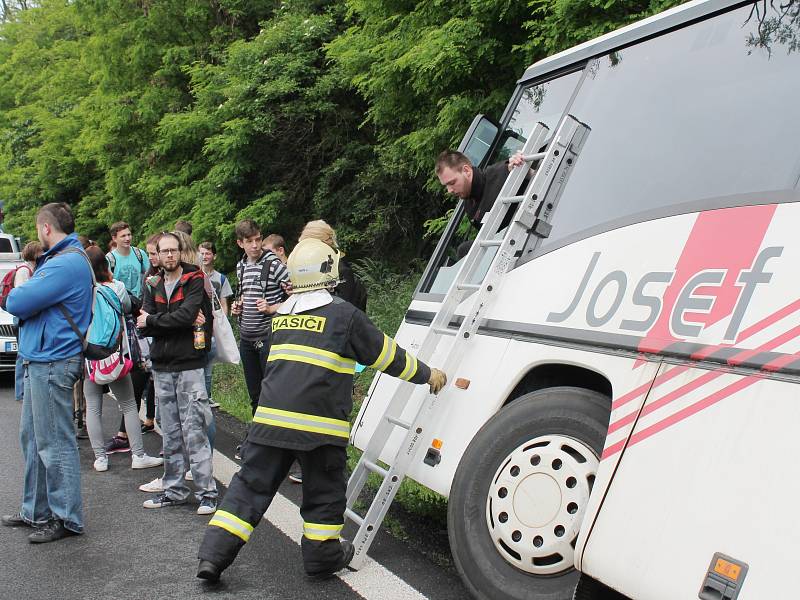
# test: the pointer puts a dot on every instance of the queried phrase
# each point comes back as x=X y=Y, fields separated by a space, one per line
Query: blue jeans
x=19 y=378
x=52 y=485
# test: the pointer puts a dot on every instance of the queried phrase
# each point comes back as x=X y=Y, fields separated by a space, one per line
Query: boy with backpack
x=260 y=274
x=127 y=263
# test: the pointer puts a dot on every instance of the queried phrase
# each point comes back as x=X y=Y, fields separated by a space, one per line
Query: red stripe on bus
x=642 y=389
x=692 y=385
x=682 y=414
x=707 y=351
x=780 y=362
x=693 y=409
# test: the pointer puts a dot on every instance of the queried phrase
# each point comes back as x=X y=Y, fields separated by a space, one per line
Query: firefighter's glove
x=437 y=380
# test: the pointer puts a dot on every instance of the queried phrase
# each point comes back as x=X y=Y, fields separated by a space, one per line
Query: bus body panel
x=593 y=322
x=713 y=471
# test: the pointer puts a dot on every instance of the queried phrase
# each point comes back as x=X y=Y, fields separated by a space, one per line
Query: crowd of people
x=298 y=372
x=156 y=308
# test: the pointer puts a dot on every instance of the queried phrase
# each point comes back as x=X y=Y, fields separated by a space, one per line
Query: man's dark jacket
x=486 y=185
x=170 y=323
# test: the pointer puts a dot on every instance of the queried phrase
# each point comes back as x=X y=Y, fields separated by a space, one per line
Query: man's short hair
x=451 y=159
x=183 y=226
x=117 y=227
x=58 y=215
x=246 y=228
x=208 y=246
x=275 y=240
x=153 y=239
x=173 y=236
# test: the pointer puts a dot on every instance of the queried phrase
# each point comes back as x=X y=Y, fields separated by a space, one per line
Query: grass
x=389 y=295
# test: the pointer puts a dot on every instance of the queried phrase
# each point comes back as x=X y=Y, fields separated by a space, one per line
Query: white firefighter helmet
x=313 y=265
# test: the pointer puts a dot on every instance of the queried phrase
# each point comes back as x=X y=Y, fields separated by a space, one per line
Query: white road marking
x=372 y=582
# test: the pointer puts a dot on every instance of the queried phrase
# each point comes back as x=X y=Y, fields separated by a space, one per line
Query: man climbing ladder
x=302 y=414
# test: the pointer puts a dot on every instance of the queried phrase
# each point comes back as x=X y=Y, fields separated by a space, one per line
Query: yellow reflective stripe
x=312 y=361
x=411 y=368
x=321 y=532
x=382 y=365
x=268 y=410
x=232 y=524
x=312 y=350
x=384 y=350
x=312 y=356
x=301 y=422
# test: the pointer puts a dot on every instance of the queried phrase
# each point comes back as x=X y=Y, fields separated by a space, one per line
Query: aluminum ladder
x=532 y=214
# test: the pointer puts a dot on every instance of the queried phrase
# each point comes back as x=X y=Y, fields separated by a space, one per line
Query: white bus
x=632 y=407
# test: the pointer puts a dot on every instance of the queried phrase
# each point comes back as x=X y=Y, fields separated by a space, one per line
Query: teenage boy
x=276 y=244
x=129 y=265
x=260 y=292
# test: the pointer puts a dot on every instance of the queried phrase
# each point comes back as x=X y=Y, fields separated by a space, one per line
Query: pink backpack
x=113 y=367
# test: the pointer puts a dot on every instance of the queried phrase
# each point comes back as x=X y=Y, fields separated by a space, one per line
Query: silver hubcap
x=537 y=500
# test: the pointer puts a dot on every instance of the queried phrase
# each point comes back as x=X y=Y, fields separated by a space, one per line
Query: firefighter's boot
x=209 y=571
x=348 y=550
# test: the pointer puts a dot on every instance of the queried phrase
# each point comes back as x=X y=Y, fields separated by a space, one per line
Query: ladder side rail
x=561 y=167
x=556 y=190
x=491 y=222
x=558 y=171
x=442 y=319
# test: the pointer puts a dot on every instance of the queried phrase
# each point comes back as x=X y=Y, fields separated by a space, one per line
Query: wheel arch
x=554 y=374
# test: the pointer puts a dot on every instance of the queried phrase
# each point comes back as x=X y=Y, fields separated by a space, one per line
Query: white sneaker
x=189 y=476
x=154 y=487
x=213 y=404
x=145 y=462
x=101 y=464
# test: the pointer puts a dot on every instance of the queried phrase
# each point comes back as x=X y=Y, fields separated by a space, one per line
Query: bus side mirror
x=478 y=140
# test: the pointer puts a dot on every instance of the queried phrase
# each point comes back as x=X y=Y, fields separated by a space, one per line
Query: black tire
x=577 y=413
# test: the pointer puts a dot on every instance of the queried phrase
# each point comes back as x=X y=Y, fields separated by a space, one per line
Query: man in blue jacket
x=53 y=361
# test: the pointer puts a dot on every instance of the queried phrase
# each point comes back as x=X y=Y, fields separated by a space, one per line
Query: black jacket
x=307 y=390
x=170 y=323
x=486 y=186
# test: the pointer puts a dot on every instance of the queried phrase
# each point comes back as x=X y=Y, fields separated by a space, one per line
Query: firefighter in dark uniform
x=302 y=414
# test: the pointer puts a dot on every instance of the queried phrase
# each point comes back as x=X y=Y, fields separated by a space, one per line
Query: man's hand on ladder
x=437 y=380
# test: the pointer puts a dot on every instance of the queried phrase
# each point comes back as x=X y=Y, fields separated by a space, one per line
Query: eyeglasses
x=166 y=251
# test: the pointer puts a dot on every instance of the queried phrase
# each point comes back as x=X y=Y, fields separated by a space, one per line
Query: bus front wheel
x=520 y=493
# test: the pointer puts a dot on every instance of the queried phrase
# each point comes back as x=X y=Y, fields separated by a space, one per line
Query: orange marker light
x=727 y=568
x=462 y=383
x=437 y=444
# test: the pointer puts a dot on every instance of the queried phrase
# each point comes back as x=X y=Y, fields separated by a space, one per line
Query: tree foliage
x=282 y=111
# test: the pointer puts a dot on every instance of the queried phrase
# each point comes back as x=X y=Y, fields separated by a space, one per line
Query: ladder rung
x=376 y=468
x=353 y=517
x=444 y=331
x=489 y=243
x=398 y=422
x=533 y=157
x=469 y=286
x=512 y=199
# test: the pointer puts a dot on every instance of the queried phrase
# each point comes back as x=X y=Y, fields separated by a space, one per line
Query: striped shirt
x=255 y=325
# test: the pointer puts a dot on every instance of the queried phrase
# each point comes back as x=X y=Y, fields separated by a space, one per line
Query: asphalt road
x=129 y=552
